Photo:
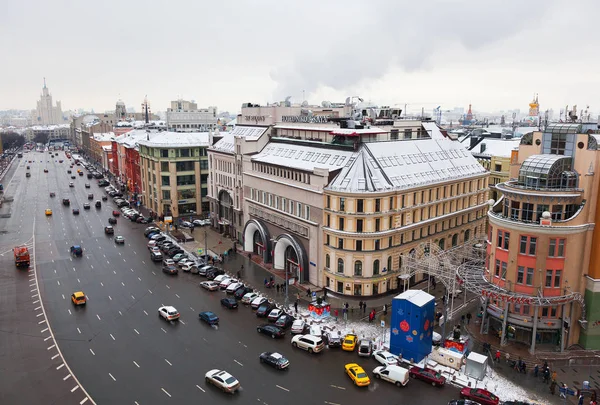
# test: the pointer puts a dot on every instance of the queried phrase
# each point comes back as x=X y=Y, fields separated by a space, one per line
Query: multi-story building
x=185 y=116
x=541 y=258
x=494 y=154
x=53 y=132
x=46 y=112
x=98 y=141
x=174 y=173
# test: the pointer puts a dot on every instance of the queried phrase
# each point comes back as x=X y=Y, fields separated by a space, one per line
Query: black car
x=284 y=321
x=142 y=220
x=75 y=211
x=73 y=177
x=230 y=303
x=86 y=206
x=271 y=330
x=98 y=204
x=109 y=230
x=165 y=247
x=117 y=194
x=66 y=201
x=87 y=185
x=122 y=203
x=264 y=309
x=112 y=193
x=169 y=269
x=174 y=250
x=99 y=176
x=214 y=272
x=89 y=175
x=104 y=198
x=240 y=292
x=90 y=196
x=274 y=359
x=112 y=220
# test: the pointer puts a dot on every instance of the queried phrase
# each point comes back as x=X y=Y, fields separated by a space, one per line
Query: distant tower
x=146 y=110
x=469 y=117
x=534 y=107
x=120 y=110
x=46 y=112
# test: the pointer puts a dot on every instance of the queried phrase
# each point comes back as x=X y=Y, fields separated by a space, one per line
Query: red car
x=116 y=213
x=482 y=396
x=428 y=375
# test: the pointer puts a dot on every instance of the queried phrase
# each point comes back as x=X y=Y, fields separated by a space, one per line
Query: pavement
x=116 y=349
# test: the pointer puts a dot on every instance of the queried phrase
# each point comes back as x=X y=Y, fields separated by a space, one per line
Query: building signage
x=313 y=264
x=312 y=119
x=255 y=118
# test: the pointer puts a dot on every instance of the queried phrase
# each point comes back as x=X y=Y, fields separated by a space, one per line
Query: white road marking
x=331 y=403
x=55 y=356
x=67 y=377
x=133 y=297
x=41 y=322
x=124 y=260
x=192 y=309
x=145 y=312
x=61 y=366
x=114 y=272
x=135 y=330
x=180 y=321
x=38 y=315
x=83 y=401
x=154 y=273
x=339 y=388
x=79 y=330
x=74 y=269
x=107 y=262
x=98 y=317
x=168 y=286
x=58 y=282
x=113 y=338
x=177 y=295
x=120 y=313
x=91 y=351
x=101 y=283
x=91 y=267
x=33 y=290
x=74 y=388
x=35 y=309
x=111 y=376
x=51 y=347
x=69 y=312
x=200 y=388
x=143 y=262
x=238 y=362
x=31 y=285
x=137 y=365
x=123 y=283
x=150 y=291
x=139 y=279
x=280 y=387
x=44 y=330
x=165 y=391
x=34 y=295
x=164 y=330
x=110 y=298
x=63 y=297
x=79 y=281
x=48 y=338
x=168 y=362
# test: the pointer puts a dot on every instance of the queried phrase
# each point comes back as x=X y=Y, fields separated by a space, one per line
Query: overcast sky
x=424 y=53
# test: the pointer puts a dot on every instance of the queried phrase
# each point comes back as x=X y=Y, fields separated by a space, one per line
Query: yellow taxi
x=48 y=212
x=78 y=298
x=349 y=342
x=358 y=376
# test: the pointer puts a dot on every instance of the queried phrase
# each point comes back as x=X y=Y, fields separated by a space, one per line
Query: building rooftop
x=496 y=147
x=49 y=127
x=333 y=129
x=168 y=139
x=132 y=138
x=382 y=166
x=226 y=144
x=303 y=157
x=104 y=137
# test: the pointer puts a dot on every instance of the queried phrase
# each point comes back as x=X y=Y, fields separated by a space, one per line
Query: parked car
x=201 y=222
x=257 y=302
x=230 y=303
x=156 y=256
x=385 y=358
x=428 y=375
x=209 y=285
x=299 y=326
x=311 y=344
x=392 y=373
x=484 y=397
x=263 y=309
x=186 y=224
x=284 y=321
x=365 y=348
x=226 y=282
x=169 y=269
x=274 y=359
x=150 y=229
x=231 y=288
x=214 y=272
x=241 y=291
x=274 y=314
x=271 y=330
x=249 y=297
x=333 y=339
x=186 y=267
x=209 y=317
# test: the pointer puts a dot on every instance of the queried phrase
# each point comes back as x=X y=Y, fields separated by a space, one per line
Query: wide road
x=119 y=349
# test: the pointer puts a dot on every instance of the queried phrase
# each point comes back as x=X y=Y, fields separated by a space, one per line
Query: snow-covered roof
x=496 y=147
x=416 y=297
x=303 y=157
x=167 y=139
x=104 y=137
x=232 y=123
x=332 y=128
x=107 y=148
x=49 y=127
x=132 y=138
x=226 y=144
x=382 y=166
x=433 y=130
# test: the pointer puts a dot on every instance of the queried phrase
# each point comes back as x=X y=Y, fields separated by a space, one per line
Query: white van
x=394 y=374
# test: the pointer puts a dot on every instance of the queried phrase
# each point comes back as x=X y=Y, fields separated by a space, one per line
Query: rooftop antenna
x=44 y=82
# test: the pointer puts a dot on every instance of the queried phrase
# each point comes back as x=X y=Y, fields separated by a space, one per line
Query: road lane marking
x=35 y=309
x=200 y=388
x=31 y=285
x=164 y=330
x=238 y=362
x=63 y=296
x=331 y=403
x=48 y=338
x=180 y=321
x=150 y=291
x=165 y=391
x=67 y=377
x=74 y=269
x=139 y=279
x=79 y=330
x=55 y=356
x=339 y=388
x=120 y=313
x=133 y=297
x=34 y=295
x=41 y=322
x=38 y=315
x=69 y=311
x=91 y=351
x=143 y=262
x=74 y=388
x=192 y=309
x=145 y=312
x=113 y=338
x=126 y=261
x=114 y=272
x=177 y=295
x=61 y=366
x=123 y=283
x=168 y=362
x=111 y=376
x=135 y=330
x=98 y=317
x=33 y=290
x=101 y=283
x=137 y=365
x=51 y=347
x=91 y=267
x=168 y=286
x=280 y=387
x=110 y=298
x=58 y=282
x=83 y=401
x=79 y=281
x=44 y=330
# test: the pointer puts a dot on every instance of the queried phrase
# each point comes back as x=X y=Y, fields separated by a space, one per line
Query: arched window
x=389 y=266
x=327 y=261
x=375 y=267
x=340 y=266
x=454 y=239
x=467 y=235
x=442 y=243
x=358 y=268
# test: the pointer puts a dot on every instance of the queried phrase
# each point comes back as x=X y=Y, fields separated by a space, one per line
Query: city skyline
x=461 y=53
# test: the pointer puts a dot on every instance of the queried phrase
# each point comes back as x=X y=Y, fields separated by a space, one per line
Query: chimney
x=483 y=147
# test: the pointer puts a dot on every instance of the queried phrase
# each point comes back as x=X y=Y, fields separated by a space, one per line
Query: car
x=98 y=204
x=357 y=374
x=209 y=317
x=86 y=206
x=177 y=257
x=186 y=266
x=109 y=230
x=78 y=298
x=311 y=344
x=143 y=220
x=271 y=330
x=112 y=221
x=298 y=326
x=333 y=339
x=154 y=249
x=80 y=173
x=232 y=287
x=87 y=185
x=202 y=270
x=169 y=262
x=90 y=196
x=392 y=373
x=209 y=285
x=349 y=342
x=48 y=212
x=198 y=222
x=284 y=321
x=186 y=224
x=214 y=272
x=68 y=171
x=168 y=313
x=158 y=237
x=90 y=175
x=469 y=402
x=230 y=303
x=66 y=202
x=263 y=309
x=249 y=297
x=220 y=278
x=241 y=291
x=104 y=198
x=385 y=358
x=76 y=251
x=484 y=397
x=222 y=380
x=52 y=194
x=45 y=170
x=169 y=269
x=119 y=240
x=226 y=282
x=274 y=359
x=365 y=348
x=75 y=211
x=315 y=330
x=274 y=314
x=156 y=256
x=429 y=375
x=257 y=302
x=72 y=178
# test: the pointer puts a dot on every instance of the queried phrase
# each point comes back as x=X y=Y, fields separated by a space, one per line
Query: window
x=184 y=153
x=164 y=153
x=561 y=248
x=523 y=245
x=548 y=278
x=358 y=268
x=377 y=224
x=527 y=212
x=557 y=211
x=307 y=212
x=359 y=245
x=186 y=180
x=327 y=218
x=360 y=206
x=529 y=280
x=377 y=205
x=184 y=166
x=557 y=275
x=164 y=166
x=499 y=241
x=503 y=276
x=166 y=180
x=326 y=239
x=328 y=201
x=376 y=267
x=497 y=270
x=327 y=261
x=520 y=274
x=166 y=195
x=556 y=248
x=498 y=167
x=342 y=204
x=341 y=224
x=204 y=165
x=377 y=244
x=389 y=264
x=532 y=245
x=359 y=225
x=558 y=144
x=506 y=240
x=340 y=266
x=340 y=243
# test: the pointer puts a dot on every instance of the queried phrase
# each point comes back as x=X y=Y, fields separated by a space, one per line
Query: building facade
x=53 y=132
x=46 y=113
x=185 y=116
x=174 y=173
x=540 y=241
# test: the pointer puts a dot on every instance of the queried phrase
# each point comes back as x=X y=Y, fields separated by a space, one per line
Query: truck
x=21 y=254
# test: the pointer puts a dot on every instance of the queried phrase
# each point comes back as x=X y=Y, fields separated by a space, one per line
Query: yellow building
x=494 y=154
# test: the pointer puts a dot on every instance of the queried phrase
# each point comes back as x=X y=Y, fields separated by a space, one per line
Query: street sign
x=168 y=220
x=383 y=324
x=200 y=251
x=314 y=295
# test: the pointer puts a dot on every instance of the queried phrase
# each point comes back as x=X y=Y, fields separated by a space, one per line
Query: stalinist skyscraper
x=46 y=113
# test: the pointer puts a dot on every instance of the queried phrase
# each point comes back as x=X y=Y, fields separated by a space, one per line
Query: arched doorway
x=257 y=239
x=289 y=255
x=225 y=220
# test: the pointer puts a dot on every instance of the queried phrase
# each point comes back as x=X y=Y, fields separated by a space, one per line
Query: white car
x=226 y=282
x=311 y=344
x=186 y=267
x=168 y=313
x=185 y=261
x=221 y=277
x=209 y=285
x=168 y=262
x=315 y=330
x=186 y=224
x=298 y=326
x=223 y=380
x=151 y=244
x=154 y=249
x=249 y=297
x=233 y=286
x=275 y=314
x=257 y=301
x=201 y=222
x=385 y=358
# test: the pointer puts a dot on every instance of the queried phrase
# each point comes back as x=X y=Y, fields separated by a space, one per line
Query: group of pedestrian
x=280 y=286
x=362 y=306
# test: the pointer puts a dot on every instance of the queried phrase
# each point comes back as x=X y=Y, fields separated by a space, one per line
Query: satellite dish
x=326 y=104
x=305 y=103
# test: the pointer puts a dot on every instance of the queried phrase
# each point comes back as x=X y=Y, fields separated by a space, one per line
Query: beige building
x=185 y=116
x=495 y=154
x=46 y=113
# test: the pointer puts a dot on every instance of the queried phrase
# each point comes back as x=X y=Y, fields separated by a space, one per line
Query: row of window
x=289 y=174
x=525 y=275
x=529 y=212
x=358 y=266
x=286 y=205
x=528 y=244
x=527 y=310
x=181 y=194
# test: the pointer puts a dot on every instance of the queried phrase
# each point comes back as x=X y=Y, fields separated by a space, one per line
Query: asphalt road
x=119 y=349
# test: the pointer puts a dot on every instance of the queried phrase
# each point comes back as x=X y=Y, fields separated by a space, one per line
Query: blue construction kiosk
x=411 y=329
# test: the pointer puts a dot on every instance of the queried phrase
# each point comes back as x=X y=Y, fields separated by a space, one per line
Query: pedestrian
x=385 y=309
x=563 y=391
x=345 y=313
x=580 y=402
x=324 y=292
x=296 y=306
x=468 y=317
x=536 y=370
x=335 y=314
x=498 y=354
x=266 y=282
x=443 y=299
x=553 y=387
x=239 y=275
x=554 y=376
x=462 y=319
x=547 y=376
x=277 y=288
x=360 y=304
x=364 y=307
x=308 y=292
